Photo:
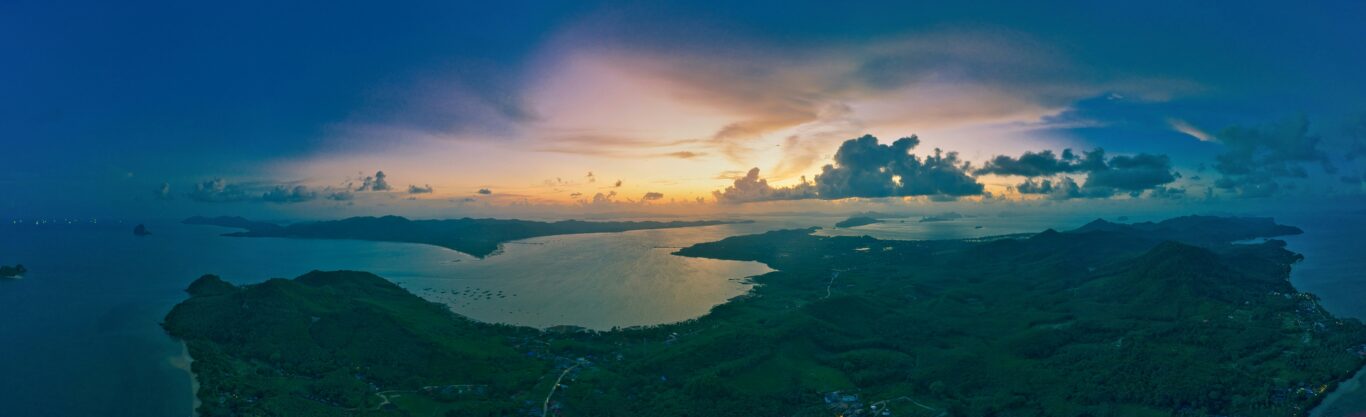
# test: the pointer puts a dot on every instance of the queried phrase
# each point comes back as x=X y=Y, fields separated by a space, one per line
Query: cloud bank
x=218 y=190
x=285 y=194
x=751 y=188
x=867 y=169
x=864 y=168
x=1132 y=175
x=1256 y=158
x=374 y=183
x=1043 y=164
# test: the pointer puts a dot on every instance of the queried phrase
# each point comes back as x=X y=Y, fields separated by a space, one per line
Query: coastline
x=1348 y=390
x=1345 y=388
x=185 y=363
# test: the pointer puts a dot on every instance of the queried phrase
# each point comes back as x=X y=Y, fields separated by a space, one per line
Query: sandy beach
x=184 y=362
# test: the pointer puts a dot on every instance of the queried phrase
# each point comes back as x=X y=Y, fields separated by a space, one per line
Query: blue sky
x=271 y=109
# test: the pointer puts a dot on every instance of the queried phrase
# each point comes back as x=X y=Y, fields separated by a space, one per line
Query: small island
x=477 y=237
x=15 y=271
x=1134 y=320
x=856 y=221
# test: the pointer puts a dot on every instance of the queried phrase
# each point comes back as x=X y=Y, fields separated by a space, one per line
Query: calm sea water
x=1334 y=268
x=79 y=334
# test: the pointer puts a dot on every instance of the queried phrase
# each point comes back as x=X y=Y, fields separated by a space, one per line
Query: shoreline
x=185 y=363
x=1344 y=390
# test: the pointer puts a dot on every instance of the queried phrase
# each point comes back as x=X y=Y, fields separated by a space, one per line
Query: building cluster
x=848 y=404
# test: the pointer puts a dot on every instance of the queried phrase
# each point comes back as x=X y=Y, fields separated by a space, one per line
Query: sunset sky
x=565 y=108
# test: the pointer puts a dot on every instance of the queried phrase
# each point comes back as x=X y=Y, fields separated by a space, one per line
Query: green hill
x=1092 y=323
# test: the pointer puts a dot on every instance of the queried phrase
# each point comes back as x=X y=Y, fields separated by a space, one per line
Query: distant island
x=856 y=221
x=15 y=271
x=477 y=237
x=141 y=230
x=235 y=222
x=1149 y=319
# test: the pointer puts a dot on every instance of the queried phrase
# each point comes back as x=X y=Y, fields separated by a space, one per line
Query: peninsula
x=1132 y=320
x=856 y=221
x=477 y=237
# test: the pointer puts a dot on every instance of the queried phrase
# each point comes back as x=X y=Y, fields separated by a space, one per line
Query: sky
x=441 y=109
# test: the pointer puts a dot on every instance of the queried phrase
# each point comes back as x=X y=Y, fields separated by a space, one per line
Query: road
x=545 y=406
x=833 y=275
x=384 y=396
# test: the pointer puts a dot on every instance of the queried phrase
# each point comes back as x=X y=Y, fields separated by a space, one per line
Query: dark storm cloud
x=1031 y=186
x=865 y=168
x=426 y=189
x=1064 y=188
x=1132 y=173
x=652 y=196
x=751 y=188
x=1255 y=158
x=1104 y=177
x=287 y=194
x=1043 y=164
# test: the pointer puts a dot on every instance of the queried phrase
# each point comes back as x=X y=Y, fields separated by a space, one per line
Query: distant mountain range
x=478 y=237
x=1197 y=229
